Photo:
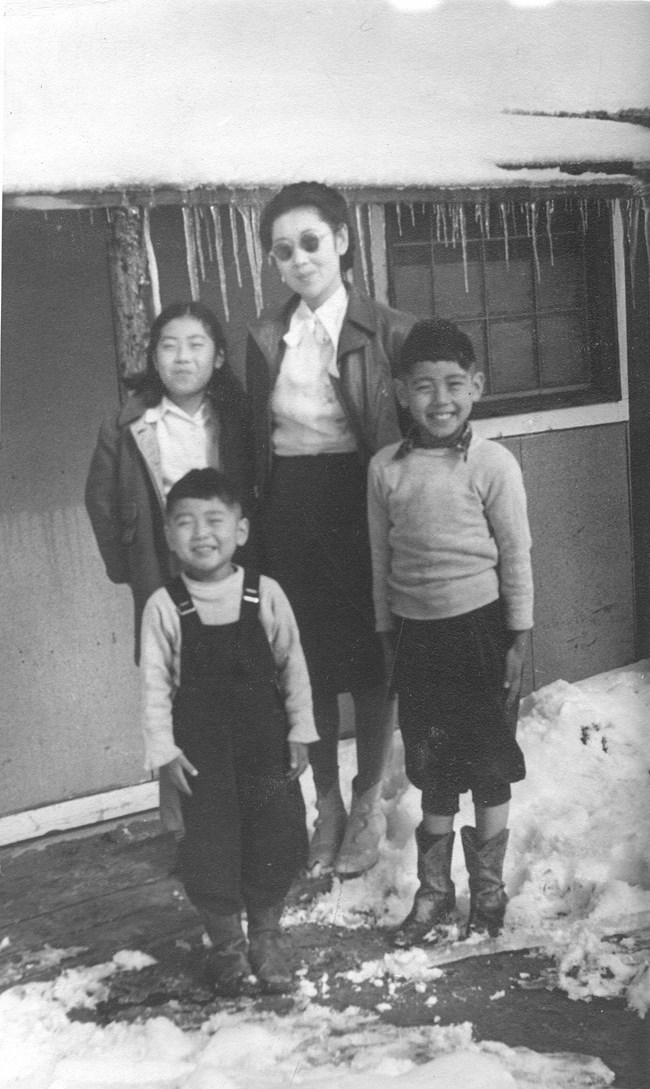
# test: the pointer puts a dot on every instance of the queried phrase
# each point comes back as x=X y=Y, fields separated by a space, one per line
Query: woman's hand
x=177 y=768
x=298 y=759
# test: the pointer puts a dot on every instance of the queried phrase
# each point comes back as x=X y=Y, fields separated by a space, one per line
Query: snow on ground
x=578 y=874
x=578 y=863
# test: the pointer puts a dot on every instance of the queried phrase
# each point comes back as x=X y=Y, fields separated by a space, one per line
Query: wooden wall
x=69 y=708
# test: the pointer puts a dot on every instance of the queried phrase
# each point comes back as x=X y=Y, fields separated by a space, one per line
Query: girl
x=319 y=380
x=187 y=411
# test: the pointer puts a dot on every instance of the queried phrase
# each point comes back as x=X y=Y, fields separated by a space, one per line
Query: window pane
x=559 y=284
x=512 y=365
x=414 y=289
x=475 y=330
x=509 y=286
x=562 y=356
x=450 y=298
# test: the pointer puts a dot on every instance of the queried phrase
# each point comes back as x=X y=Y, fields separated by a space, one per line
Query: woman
x=319 y=381
x=187 y=412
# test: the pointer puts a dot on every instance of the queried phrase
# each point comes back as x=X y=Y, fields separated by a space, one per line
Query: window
x=531 y=284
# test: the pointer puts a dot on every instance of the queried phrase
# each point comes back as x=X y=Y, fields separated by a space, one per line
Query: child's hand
x=515 y=659
x=298 y=759
x=177 y=768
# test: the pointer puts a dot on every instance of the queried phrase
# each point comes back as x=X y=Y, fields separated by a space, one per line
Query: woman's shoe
x=365 y=827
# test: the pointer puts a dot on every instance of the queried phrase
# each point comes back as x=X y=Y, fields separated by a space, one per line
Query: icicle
x=438 y=218
x=190 y=253
x=255 y=223
x=362 y=245
x=533 y=231
x=634 y=242
x=398 y=209
x=199 y=241
x=378 y=251
x=218 y=248
x=235 y=242
x=203 y=215
x=256 y=271
x=454 y=226
x=153 y=264
x=445 y=236
x=411 y=208
x=504 y=219
x=92 y=216
x=463 y=239
x=550 y=208
x=487 y=218
x=582 y=204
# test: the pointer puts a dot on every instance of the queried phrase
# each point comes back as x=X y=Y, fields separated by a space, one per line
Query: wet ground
x=94 y=895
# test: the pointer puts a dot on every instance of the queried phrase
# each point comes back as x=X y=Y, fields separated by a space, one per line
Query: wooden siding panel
x=69 y=709
x=578 y=493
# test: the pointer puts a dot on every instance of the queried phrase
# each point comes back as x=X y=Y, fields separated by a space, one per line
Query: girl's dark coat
x=124 y=495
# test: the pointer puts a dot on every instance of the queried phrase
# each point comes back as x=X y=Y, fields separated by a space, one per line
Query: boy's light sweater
x=449 y=535
x=217 y=603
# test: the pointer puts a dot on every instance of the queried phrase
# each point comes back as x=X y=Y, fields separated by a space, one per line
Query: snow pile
x=578 y=864
x=311 y=1047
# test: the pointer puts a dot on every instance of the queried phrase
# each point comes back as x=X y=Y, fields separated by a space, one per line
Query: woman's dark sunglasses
x=309 y=242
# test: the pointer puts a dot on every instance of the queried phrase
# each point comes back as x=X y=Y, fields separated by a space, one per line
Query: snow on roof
x=181 y=93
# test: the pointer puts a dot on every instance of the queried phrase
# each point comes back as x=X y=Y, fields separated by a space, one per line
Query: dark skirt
x=316 y=546
x=449 y=676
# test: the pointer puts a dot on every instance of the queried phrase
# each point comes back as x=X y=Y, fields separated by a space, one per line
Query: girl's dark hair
x=435 y=340
x=328 y=202
x=204 y=484
x=223 y=387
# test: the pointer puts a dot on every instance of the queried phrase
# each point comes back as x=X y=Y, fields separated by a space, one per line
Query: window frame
x=539 y=411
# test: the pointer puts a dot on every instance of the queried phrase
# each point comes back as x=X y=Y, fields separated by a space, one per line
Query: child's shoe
x=267 y=955
x=436 y=896
x=488 y=897
x=227 y=967
x=366 y=825
x=329 y=829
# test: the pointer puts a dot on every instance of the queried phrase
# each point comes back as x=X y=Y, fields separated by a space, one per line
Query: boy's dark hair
x=328 y=202
x=204 y=484
x=433 y=339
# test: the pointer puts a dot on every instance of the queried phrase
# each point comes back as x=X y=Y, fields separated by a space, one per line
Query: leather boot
x=227 y=966
x=364 y=829
x=267 y=955
x=487 y=894
x=436 y=896
x=329 y=829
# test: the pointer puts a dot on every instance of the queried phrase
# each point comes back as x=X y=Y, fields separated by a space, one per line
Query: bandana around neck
x=418 y=438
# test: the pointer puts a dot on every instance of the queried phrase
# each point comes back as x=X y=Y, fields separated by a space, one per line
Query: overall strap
x=250 y=599
x=180 y=595
x=248 y=626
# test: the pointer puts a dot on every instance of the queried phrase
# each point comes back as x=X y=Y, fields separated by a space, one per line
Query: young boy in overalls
x=226 y=706
x=453 y=593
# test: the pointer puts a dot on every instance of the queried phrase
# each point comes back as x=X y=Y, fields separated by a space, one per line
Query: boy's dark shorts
x=457 y=736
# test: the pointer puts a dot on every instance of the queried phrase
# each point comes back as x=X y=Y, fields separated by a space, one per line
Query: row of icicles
x=204 y=237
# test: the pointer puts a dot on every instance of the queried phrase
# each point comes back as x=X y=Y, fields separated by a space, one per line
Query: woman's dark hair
x=223 y=387
x=328 y=202
x=434 y=340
